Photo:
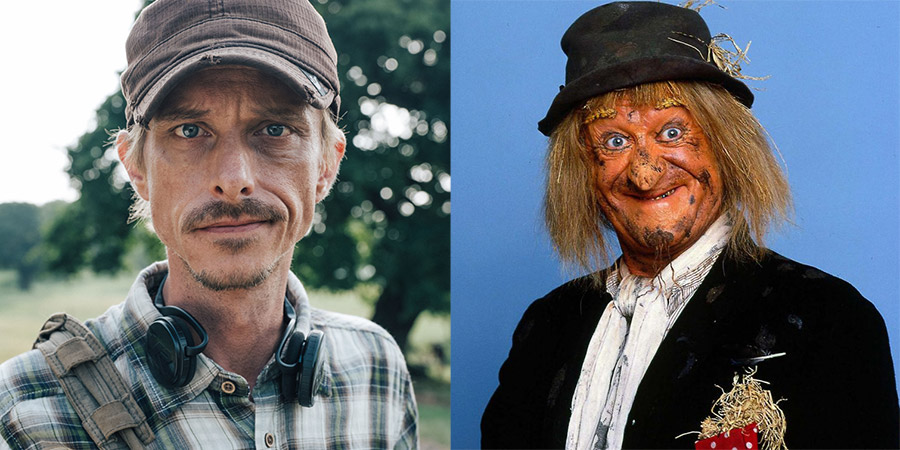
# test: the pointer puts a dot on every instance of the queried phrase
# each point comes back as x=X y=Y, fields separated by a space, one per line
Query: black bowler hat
x=624 y=44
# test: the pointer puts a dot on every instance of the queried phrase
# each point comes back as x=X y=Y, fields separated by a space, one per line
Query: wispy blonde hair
x=756 y=192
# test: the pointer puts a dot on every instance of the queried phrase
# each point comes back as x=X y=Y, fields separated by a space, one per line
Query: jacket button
x=270 y=440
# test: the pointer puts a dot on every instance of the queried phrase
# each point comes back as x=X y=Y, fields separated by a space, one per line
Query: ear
x=138 y=180
x=328 y=174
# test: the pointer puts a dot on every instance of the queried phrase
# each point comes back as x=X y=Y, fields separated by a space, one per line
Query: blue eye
x=187 y=130
x=276 y=130
x=616 y=142
x=671 y=133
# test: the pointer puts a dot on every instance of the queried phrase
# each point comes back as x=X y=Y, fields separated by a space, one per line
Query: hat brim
x=305 y=84
x=633 y=73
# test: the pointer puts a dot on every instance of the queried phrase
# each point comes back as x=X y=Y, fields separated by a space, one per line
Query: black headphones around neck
x=172 y=355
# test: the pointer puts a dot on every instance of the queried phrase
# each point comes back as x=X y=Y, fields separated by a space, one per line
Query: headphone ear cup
x=166 y=342
x=311 y=367
x=291 y=357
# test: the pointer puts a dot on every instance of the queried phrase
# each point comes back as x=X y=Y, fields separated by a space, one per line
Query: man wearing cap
x=231 y=142
x=652 y=137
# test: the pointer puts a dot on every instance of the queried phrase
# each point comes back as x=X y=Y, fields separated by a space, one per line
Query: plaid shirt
x=366 y=399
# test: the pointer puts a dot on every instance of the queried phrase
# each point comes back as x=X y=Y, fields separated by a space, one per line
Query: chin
x=662 y=237
x=225 y=280
x=226 y=272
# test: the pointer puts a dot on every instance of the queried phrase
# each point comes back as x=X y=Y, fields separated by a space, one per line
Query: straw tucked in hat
x=624 y=44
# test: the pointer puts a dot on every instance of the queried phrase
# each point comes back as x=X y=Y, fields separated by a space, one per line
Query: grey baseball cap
x=172 y=39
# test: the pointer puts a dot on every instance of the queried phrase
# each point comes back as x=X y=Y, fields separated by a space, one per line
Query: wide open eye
x=187 y=130
x=671 y=133
x=616 y=142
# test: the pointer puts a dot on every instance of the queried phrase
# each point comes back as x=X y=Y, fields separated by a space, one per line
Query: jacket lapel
x=575 y=344
x=696 y=356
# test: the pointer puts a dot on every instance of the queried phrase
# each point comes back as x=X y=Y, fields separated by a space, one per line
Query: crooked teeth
x=664 y=195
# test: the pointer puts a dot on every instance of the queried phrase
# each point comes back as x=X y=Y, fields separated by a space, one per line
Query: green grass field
x=88 y=295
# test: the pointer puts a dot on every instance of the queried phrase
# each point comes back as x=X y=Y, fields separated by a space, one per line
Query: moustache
x=214 y=210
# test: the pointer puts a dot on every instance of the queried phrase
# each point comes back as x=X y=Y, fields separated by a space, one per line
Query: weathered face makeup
x=656 y=180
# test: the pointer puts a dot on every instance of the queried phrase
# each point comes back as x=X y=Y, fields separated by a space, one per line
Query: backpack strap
x=92 y=384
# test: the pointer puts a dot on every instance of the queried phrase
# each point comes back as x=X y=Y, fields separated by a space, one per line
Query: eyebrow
x=293 y=116
x=181 y=113
x=281 y=113
x=289 y=115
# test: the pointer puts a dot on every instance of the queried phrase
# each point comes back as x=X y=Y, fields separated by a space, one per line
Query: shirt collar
x=685 y=271
x=139 y=312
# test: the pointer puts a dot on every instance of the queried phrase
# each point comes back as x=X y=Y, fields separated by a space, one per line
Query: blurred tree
x=388 y=220
x=19 y=234
x=93 y=230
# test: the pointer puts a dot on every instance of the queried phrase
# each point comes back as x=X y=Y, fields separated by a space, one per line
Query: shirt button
x=270 y=440
x=228 y=387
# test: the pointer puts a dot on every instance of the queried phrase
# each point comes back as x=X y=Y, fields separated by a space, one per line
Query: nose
x=233 y=173
x=646 y=167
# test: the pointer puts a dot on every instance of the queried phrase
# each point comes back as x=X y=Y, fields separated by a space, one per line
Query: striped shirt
x=366 y=399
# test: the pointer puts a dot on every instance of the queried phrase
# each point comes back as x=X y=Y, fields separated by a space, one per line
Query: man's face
x=234 y=169
x=656 y=178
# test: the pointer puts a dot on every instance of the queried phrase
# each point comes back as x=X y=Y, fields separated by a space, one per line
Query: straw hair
x=756 y=192
x=747 y=402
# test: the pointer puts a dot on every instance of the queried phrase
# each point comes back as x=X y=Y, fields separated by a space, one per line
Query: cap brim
x=633 y=73
x=304 y=83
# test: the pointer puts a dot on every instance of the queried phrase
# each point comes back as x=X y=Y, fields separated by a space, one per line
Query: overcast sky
x=61 y=59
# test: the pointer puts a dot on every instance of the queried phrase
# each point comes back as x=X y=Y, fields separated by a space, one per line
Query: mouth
x=664 y=194
x=233 y=226
x=652 y=198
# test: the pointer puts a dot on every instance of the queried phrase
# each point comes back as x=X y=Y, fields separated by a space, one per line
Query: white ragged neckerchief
x=628 y=335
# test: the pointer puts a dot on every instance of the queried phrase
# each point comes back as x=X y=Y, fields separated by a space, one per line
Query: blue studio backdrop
x=831 y=106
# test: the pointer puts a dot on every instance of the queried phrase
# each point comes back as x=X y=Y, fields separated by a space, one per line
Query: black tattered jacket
x=837 y=377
